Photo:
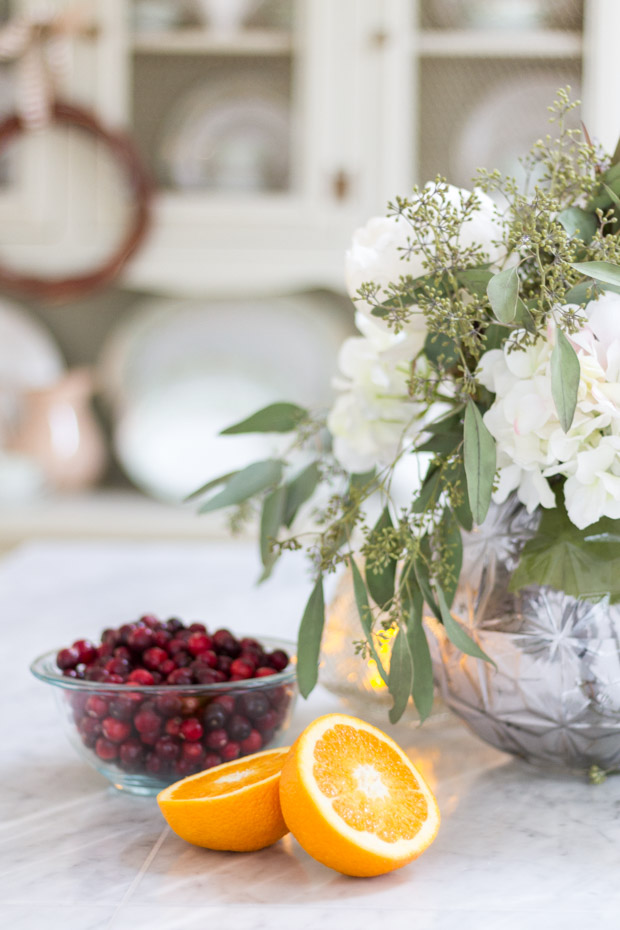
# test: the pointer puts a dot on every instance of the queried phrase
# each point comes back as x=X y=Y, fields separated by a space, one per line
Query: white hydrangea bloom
x=373 y=416
x=531 y=444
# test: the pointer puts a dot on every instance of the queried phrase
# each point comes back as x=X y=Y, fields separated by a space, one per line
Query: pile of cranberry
x=171 y=734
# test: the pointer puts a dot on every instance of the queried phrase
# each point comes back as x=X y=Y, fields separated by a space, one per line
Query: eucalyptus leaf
x=503 y=294
x=581 y=293
x=524 y=318
x=441 y=443
x=221 y=479
x=427 y=498
x=309 y=640
x=365 y=615
x=582 y=563
x=456 y=634
x=421 y=572
x=494 y=337
x=475 y=280
x=480 y=462
x=605 y=272
x=400 y=677
x=565 y=376
x=451 y=422
x=271 y=520
x=451 y=548
x=276 y=418
x=578 y=223
x=441 y=350
x=245 y=484
x=299 y=490
x=380 y=583
x=422 y=689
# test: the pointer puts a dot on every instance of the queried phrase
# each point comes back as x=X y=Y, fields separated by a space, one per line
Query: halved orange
x=353 y=799
x=234 y=806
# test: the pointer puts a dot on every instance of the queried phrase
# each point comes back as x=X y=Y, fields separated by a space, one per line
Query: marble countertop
x=517 y=848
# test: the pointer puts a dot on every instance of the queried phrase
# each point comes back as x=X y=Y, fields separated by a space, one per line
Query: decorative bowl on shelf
x=145 y=737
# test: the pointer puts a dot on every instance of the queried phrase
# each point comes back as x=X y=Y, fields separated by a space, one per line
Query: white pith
x=370 y=782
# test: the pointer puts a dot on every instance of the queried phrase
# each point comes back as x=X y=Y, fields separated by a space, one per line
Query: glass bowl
x=203 y=725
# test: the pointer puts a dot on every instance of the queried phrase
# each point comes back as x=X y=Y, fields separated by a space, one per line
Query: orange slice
x=234 y=806
x=354 y=800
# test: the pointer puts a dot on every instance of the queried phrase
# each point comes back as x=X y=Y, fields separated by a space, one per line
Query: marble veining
x=517 y=847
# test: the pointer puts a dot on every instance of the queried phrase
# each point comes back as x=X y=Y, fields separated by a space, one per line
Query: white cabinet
x=351 y=102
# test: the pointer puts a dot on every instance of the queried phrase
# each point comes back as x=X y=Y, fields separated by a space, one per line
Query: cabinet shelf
x=206 y=42
x=476 y=43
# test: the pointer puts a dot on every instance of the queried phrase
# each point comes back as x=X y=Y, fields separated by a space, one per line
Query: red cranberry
x=71 y=673
x=147 y=721
x=207 y=658
x=210 y=760
x=249 y=643
x=174 y=624
x=153 y=764
x=105 y=650
x=140 y=638
x=216 y=739
x=154 y=657
x=253 y=704
x=197 y=627
x=151 y=621
x=105 y=749
x=169 y=705
x=167 y=667
x=225 y=642
x=122 y=652
x=193 y=752
x=264 y=672
x=111 y=637
x=199 y=642
x=278 y=659
x=226 y=701
x=184 y=767
x=279 y=698
x=253 y=743
x=115 y=730
x=67 y=658
x=161 y=638
x=140 y=676
x=125 y=632
x=230 y=751
x=241 y=669
x=180 y=676
x=203 y=675
x=87 y=651
x=92 y=673
x=167 y=748
x=173 y=726
x=176 y=644
x=115 y=679
x=150 y=737
x=89 y=729
x=96 y=706
x=239 y=728
x=190 y=706
x=215 y=717
x=191 y=729
x=224 y=663
x=118 y=666
x=250 y=658
x=131 y=754
x=182 y=658
x=123 y=706
x=267 y=722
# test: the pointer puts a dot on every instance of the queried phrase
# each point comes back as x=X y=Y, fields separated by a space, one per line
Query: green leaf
x=480 y=462
x=604 y=272
x=422 y=689
x=380 y=583
x=494 y=337
x=450 y=423
x=451 y=548
x=441 y=350
x=210 y=485
x=400 y=678
x=565 y=376
x=441 y=443
x=578 y=223
x=581 y=293
x=299 y=490
x=276 y=418
x=245 y=484
x=271 y=521
x=456 y=634
x=309 y=640
x=582 y=563
x=503 y=294
x=420 y=569
x=524 y=318
x=612 y=195
x=427 y=498
x=475 y=280
x=365 y=614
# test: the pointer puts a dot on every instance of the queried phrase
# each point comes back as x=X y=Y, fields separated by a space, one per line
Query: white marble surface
x=516 y=848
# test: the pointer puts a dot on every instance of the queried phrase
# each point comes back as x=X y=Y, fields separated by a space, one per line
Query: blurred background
x=158 y=287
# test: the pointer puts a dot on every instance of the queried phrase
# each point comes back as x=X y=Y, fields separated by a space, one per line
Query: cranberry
x=151 y=621
x=191 y=729
x=115 y=730
x=147 y=721
x=118 y=666
x=140 y=676
x=154 y=657
x=67 y=658
x=207 y=658
x=161 y=638
x=96 y=706
x=210 y=760
x=264 y=672
x=241 y=669
x=92 y=673
x=111 y=637
x=224 y=663
x=215 y=717
x=122 y=652
x=89 y=729
x=278 y=659
x=193 y=752
x=131 y=754
x=176 y=645
x=71 y=673
x=184 y=767
x=174 y=624
x=114 y=679
x=226 y=701
x=125 y=632
x=105 y=749
x=153 y=764
x=252 y=744
x=87 y=651
x=230 y=751
x=216 y=739
x=225 y=642
x=150 y=737
x=173 y=726
x=239 y=728
x=250 y=658
x=180 y=676
x=169 y=705
x=167 y=667
x=105 y=650
x=140 y=638
x=182 y=658
x=167 y=748
x=279 y=698
x=197 y=627
x=248 y=643
x=268 y=721
x=123 y=706
x=205 y=676
x=199 y=642
x=253 y=704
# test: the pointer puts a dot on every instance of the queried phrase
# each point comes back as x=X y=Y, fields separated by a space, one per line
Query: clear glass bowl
x=265 y=703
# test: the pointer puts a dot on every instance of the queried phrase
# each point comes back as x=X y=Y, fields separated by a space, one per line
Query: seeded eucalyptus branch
x=555 y=249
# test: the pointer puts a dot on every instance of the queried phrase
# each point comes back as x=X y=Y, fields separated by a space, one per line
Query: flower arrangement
x=489 y=341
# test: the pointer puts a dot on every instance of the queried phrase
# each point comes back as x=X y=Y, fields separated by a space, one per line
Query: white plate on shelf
x=504 y=125
x=179 y=371
x=29 y=357
x=230 y=135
